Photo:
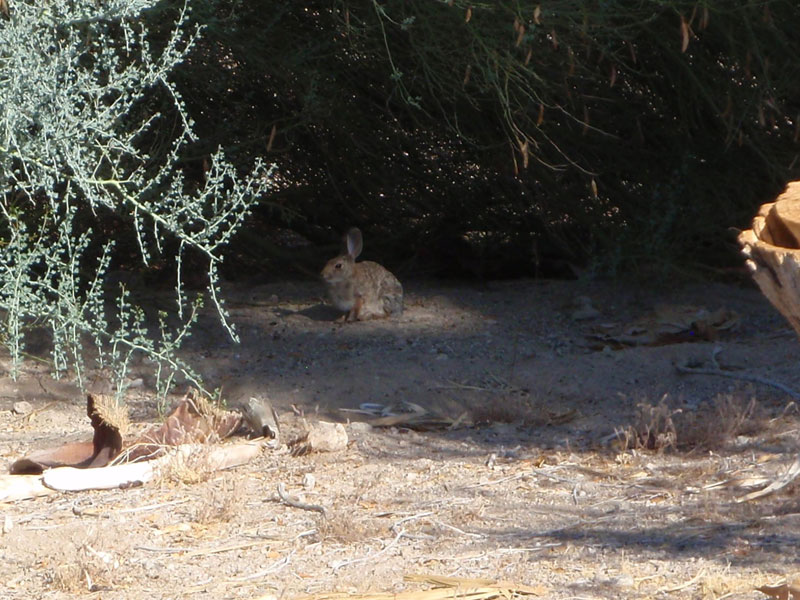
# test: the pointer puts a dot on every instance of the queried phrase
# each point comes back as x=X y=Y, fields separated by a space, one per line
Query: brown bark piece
x=783 y=219
x=775 y=268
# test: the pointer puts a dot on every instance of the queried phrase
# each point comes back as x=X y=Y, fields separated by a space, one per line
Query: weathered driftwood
x=70 y=479
x=22 y=487
x=772 y=248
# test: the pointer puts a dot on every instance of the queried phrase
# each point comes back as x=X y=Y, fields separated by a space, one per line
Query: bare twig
x=286 y=499
x=683 y=586
x=229 y=547
x=274 y=567
x=741 y=376
x=153 y=506
x=776 y=485
x=457 y=530
x=495 y=482
x=372 y=555
x=407 y=519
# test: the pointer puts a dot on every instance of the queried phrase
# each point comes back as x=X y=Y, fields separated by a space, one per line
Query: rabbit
x=363 y=290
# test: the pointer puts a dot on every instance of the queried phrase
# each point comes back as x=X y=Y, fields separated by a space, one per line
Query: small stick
x=276 y=566
x=411 y=518
x=743 y=376
x=162 y=550
x=716 y=370
x=683 y=586
x=153 y=506
x=228 y=548
x=297 y=504
x=457 y=530
x=776 y=485
x=494 y=482
x=338 y=565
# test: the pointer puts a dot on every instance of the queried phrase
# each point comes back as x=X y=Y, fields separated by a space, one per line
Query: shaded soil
x=532 y=486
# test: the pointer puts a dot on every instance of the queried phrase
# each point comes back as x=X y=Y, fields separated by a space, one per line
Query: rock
x=360 y=427
x=321 y=437
x=22 y=407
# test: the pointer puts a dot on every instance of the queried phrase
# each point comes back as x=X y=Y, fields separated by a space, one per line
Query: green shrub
x=92 y=133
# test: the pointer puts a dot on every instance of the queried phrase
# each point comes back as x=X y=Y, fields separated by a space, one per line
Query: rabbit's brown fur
x=363 y=290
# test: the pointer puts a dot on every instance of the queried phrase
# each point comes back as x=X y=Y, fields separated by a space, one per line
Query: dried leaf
x=520 y=35
x=554 y=38
x=613 y=75
x=271 y=138
x=782 y=591
x=525 y=154
x=537 y=12
x=540 y=118
x=684 y=34
x=528 y=56
x=633 y=52
x=594 y=188
x=467 y=73
x=469 y=14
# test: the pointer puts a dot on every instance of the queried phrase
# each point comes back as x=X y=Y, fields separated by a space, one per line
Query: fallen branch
x=286 y=499
x=22 y=487
x=776 y=485
x=716 y=370
x=70 y=479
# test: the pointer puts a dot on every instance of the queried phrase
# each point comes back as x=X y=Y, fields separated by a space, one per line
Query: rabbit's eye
x=338 y=265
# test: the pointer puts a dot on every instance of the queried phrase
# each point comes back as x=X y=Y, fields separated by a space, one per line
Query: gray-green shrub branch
x=90 y=122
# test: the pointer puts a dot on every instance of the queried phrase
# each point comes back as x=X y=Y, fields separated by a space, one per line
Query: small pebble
x=21 y=407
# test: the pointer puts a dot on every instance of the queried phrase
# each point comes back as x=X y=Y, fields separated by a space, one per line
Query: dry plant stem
x=411 y=518
x=683 y=586
x=457 y=530
x=338 y=565
x=776 y=485
x=494 y=482
x=286 y=499
x=273 y=568
x=395 y=528
x=153 y=506
x=744 y=377
x=229 y=547
x=716 y=370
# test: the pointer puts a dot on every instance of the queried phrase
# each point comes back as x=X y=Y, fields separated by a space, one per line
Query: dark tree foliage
x=501 y=137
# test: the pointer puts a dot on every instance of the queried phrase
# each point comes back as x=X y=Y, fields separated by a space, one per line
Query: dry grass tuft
x=727 y=417
x=112 y=412
x=653 y=429
x=220 y=503
x=81 y=567
x=340 y=527
x=508 y=408
x=190 y=468
x=662 y=426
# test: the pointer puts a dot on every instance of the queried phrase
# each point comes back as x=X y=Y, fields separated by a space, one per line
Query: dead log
x=772 y=248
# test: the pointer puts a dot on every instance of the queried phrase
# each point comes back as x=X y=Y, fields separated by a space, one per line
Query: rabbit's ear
x=354 y=242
